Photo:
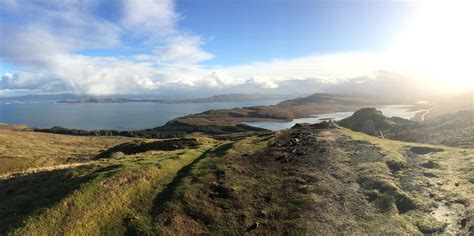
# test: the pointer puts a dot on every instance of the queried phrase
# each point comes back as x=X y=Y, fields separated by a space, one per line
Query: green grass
x=21 y=149
x=192 y=195
x=231 y=186
x=106 y=198
x=456 y=166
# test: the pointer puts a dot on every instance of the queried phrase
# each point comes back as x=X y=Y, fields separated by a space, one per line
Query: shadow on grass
x=24 y=196
x=167 y=193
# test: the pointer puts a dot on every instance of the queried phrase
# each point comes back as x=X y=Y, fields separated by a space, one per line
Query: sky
x=190 y=48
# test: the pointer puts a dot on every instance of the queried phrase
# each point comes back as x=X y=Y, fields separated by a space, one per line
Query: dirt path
x=445 y=210
x=447 y=207
x=43 y=169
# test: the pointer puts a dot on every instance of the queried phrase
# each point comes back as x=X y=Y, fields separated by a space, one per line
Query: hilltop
x=311 y=178
x=371 y=120
x=454 y=129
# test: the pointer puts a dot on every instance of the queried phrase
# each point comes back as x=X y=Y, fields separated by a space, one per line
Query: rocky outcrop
x=140 y=146
x=372 y=121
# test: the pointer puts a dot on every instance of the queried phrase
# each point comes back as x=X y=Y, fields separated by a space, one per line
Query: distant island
x=236 y=97
x=225 y=121
x=70 y=98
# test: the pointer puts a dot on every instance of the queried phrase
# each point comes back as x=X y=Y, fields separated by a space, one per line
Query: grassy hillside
x=452 y=104
x=454 y=129
x=21 y=149
x=94 y=198
x=358 y=121
x=305 y=179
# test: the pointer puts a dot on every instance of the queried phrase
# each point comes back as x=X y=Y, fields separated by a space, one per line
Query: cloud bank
x=99 y=47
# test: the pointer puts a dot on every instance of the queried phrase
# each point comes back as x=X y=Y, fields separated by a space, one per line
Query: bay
x=116 y=116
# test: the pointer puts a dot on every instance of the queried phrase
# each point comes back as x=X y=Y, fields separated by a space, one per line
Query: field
x=22 y=149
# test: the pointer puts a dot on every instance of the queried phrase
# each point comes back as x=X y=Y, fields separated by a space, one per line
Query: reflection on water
x=402 y=111
x=118 y=116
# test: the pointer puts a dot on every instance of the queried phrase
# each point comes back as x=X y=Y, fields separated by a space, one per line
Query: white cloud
x=219 y=80
x=184 y=50
x=145 y=17
x=263 y=82
x=330 y=67
x=6 y=80
x=44 y=40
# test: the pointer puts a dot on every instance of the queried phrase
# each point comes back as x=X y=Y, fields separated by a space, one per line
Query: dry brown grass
x=21 y=148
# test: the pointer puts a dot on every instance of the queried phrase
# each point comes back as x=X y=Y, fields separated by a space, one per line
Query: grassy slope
x=297 y=180
x=446 y=105
x=92 y=199
x=327 y=192
x=21 y=149
x=448 y=184
x=453 y=129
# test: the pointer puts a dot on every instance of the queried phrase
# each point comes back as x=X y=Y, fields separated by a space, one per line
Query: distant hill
x=241 y=97
x=317 y=103
x=42 y=98
x=371 y=120
x=225 y=121
x=86 y=98
x=453 y=129
x=236 y=97
x=445 y=105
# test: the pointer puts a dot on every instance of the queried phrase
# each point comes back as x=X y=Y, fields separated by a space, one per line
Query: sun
x=438 y=45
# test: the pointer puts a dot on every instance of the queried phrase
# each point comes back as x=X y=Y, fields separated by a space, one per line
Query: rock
x=254 y=226
x=395 y=165
x=140 y=146
x=299 y=125
x=430 y=164
x=425 y=150
x=306 y=188
x=325 y=125
x=404 y=202
x=463 y=222
x=220 y=174
x=429 y=175
x=285 y=158
x=221 y=192
x=262 y=213
x=117 y=155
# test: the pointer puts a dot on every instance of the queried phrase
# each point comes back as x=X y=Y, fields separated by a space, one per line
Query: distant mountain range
x=84 y=98
x=42 y=98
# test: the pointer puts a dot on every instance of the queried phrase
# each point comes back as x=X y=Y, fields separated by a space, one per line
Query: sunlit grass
x=20 y=150
x=121 y=191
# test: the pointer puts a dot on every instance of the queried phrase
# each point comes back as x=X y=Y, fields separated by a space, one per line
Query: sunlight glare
x=439 y=44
